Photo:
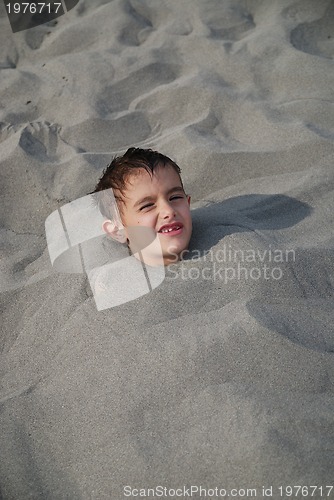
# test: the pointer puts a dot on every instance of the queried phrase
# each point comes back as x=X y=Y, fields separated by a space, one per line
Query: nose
x=167 y=210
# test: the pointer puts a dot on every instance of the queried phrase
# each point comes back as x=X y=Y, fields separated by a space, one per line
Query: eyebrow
x=176 y=189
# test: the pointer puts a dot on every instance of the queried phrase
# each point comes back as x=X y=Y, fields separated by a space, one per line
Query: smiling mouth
x=172 y=230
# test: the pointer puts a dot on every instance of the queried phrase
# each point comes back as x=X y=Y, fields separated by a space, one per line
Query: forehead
x=162 y=179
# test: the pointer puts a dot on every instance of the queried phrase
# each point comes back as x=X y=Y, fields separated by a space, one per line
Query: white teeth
x=170 y=229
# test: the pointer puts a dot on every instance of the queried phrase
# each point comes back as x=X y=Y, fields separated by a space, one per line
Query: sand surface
x=215 y=378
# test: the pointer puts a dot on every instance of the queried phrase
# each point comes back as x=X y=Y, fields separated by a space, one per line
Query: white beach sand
x=219 y=378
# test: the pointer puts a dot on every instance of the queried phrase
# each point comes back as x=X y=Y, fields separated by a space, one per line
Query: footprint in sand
x=41 y=140
x=35 y=36
x=118 y=96
x=96 y=135
x=231 y=27
x=317 y=37
x=139 y=25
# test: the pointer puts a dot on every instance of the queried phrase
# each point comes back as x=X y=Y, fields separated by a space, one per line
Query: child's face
x=160 y=203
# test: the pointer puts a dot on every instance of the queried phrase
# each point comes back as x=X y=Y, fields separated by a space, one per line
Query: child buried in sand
x=153 y=212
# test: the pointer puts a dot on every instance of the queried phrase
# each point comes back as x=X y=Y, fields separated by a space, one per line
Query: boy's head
x=149 y=193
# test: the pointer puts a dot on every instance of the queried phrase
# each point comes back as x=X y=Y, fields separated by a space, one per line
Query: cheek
x=147 y=219
x=186 y=214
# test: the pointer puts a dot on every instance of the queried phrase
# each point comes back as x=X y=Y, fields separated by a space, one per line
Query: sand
x=223 y=375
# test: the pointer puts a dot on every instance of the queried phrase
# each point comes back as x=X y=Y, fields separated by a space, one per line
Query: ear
x=114 y=231
x=188 y=199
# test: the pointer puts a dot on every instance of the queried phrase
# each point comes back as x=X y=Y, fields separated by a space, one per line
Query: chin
x=172 y=254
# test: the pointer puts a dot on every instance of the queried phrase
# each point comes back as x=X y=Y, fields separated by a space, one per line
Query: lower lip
x=174 y=232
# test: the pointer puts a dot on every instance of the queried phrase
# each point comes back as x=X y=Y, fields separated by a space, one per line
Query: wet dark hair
x=116 y=175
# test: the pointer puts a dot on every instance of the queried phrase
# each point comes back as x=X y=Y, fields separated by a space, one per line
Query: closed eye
x=146 y=206
x=175 y=197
